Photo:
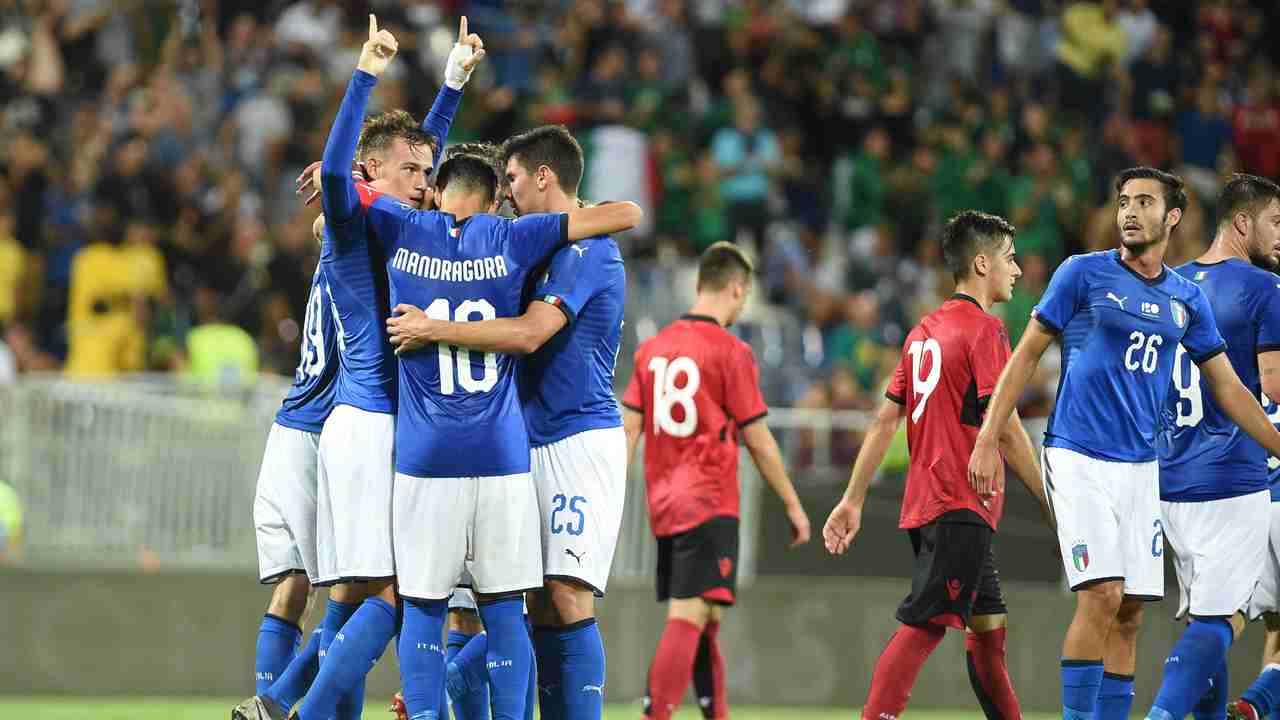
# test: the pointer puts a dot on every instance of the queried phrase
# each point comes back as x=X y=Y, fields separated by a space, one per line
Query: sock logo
x=726 y=567
x=953 y=588
x=575 y=555
x=496 y=664
x=593 y=688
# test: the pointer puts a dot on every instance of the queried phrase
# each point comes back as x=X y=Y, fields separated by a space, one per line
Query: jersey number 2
x=439 y=310
x=667 y=395
x=923 y=386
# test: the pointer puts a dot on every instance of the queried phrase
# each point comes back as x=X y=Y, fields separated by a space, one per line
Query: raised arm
x=1013 y=380
x=466 y=53
x=846 y=518
x=605 y=219
x=337 y=193
x=1238 y=403
x=410 y=329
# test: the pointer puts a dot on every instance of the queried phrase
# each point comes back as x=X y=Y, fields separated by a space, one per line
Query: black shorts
x=701 y=562
x=955 y=573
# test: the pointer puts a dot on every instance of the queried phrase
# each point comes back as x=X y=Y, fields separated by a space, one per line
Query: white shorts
x=485 y=525
x=1266 y=596
x=284 y=505
x=462 y=597
x=1220 y=548
x=353 y=505
x=582 y=483
x=1108 y=516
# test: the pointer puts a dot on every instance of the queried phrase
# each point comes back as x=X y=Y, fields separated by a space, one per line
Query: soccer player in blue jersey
x=1262 y=699
x=1214 y=495
x=355 y=470
x=570 y=334
x=463 y=495
x=1121 y=316
x=284 y=504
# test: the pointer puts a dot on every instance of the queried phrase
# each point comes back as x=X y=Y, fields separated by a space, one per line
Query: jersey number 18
x=667 y=395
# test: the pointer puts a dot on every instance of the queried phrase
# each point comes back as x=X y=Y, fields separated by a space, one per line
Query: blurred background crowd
x=148 y=152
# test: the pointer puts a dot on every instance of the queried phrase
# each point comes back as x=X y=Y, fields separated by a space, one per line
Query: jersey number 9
x=1190 y=401
x=439 y=310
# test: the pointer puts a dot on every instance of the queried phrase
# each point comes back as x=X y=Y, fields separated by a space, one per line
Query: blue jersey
x=566 y=386
x=355 y=259
x=1119 y=334
x=1203 y=454
x=1273 y=463
x=459 y=413
x=310 y=399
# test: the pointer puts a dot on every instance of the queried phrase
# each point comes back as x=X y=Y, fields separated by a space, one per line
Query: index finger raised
x=373 y=26
x=462 y=29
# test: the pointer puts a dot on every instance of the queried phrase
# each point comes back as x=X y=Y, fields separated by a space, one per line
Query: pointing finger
x=373 y=26
x=462 y=29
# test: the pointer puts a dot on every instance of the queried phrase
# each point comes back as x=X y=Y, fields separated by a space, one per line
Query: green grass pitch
x=52 y=707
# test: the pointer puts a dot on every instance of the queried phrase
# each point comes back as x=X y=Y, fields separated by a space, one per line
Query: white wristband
x=455 y=76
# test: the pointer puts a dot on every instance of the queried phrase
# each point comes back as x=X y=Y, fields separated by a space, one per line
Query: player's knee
x=1128 y=621
x=352 y=593
x=289 y=599
x=465 y=621
x=571 y=602
x=1101 y=602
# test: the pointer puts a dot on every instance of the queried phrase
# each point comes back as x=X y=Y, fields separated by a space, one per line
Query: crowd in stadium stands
x=147 y=214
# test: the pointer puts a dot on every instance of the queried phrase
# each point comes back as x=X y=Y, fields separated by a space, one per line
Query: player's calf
x=509 y=655
x=984 y=644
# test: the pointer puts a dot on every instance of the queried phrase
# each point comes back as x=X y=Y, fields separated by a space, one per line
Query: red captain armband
x=367 y=194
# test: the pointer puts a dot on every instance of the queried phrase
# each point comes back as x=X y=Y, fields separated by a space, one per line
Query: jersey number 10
x=439 y=310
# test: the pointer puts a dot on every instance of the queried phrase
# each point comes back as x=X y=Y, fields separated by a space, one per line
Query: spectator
x=1093 y=41
x=867 y=186
x=745 y=155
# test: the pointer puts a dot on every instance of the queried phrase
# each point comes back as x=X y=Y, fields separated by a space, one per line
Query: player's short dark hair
x=720 y=263
x=550 y=145
x=969 y=233
x=468 y=173
x=487 y=151
x=381 y=130
x=1175 y=192
x=1245 y=193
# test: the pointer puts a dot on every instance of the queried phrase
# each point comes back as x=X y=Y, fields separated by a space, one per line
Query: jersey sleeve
x=385 y=214
x=1202 y=340
x=575 y=276
x=989 y=354
x=338 y=195
x=897 y=390
x=633 y=398
x=1062 y=299
x=743 y=398
x=535 y=237
x=1267 y=314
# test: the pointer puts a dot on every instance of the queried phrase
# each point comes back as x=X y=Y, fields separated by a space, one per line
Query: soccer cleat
x=1241 y=710
x=257 y=708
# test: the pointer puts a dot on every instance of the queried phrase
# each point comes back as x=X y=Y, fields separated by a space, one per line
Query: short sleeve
x=1268 y=315
x=535 y=237
x=576 y=274
x=897 y=390
x=1063 y=297
x=1202 y=339
x=742 y=387
x=633 y=398
x=989 y=354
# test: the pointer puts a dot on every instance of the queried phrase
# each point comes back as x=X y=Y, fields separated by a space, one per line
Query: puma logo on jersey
x=575 y=555
x=1119 y=300
x=581 y=250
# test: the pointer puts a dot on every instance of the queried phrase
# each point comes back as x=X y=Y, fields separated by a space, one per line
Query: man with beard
x=1122 y=316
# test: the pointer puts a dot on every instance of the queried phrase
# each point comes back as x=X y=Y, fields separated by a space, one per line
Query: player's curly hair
x=381 y=130
x=550 y=145
x=968 y=234
x=721 y=263
x=1244 y=193
x=1175 y=191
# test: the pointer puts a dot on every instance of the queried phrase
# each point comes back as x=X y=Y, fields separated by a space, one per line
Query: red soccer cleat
x=1241 y=710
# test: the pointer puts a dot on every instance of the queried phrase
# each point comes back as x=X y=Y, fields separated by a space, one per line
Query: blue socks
x=294 y=681
x=336 y=615
x=422 y=657
x=1213 y=705
x=1264 y=693
x=582 y=670
x=1115 y=697
x=509 y=657
x=467 y=679
x=546 y=648
x=1081 y=680
x=1195 y=658
x=277 y=642
x=454 y=643
x=350 y=657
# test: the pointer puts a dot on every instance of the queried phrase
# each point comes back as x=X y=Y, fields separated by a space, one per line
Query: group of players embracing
x=1160 y=431
x=451 y=454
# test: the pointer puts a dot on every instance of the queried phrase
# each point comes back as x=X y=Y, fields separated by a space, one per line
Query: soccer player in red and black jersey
x=949 y=367
x=695 y=388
